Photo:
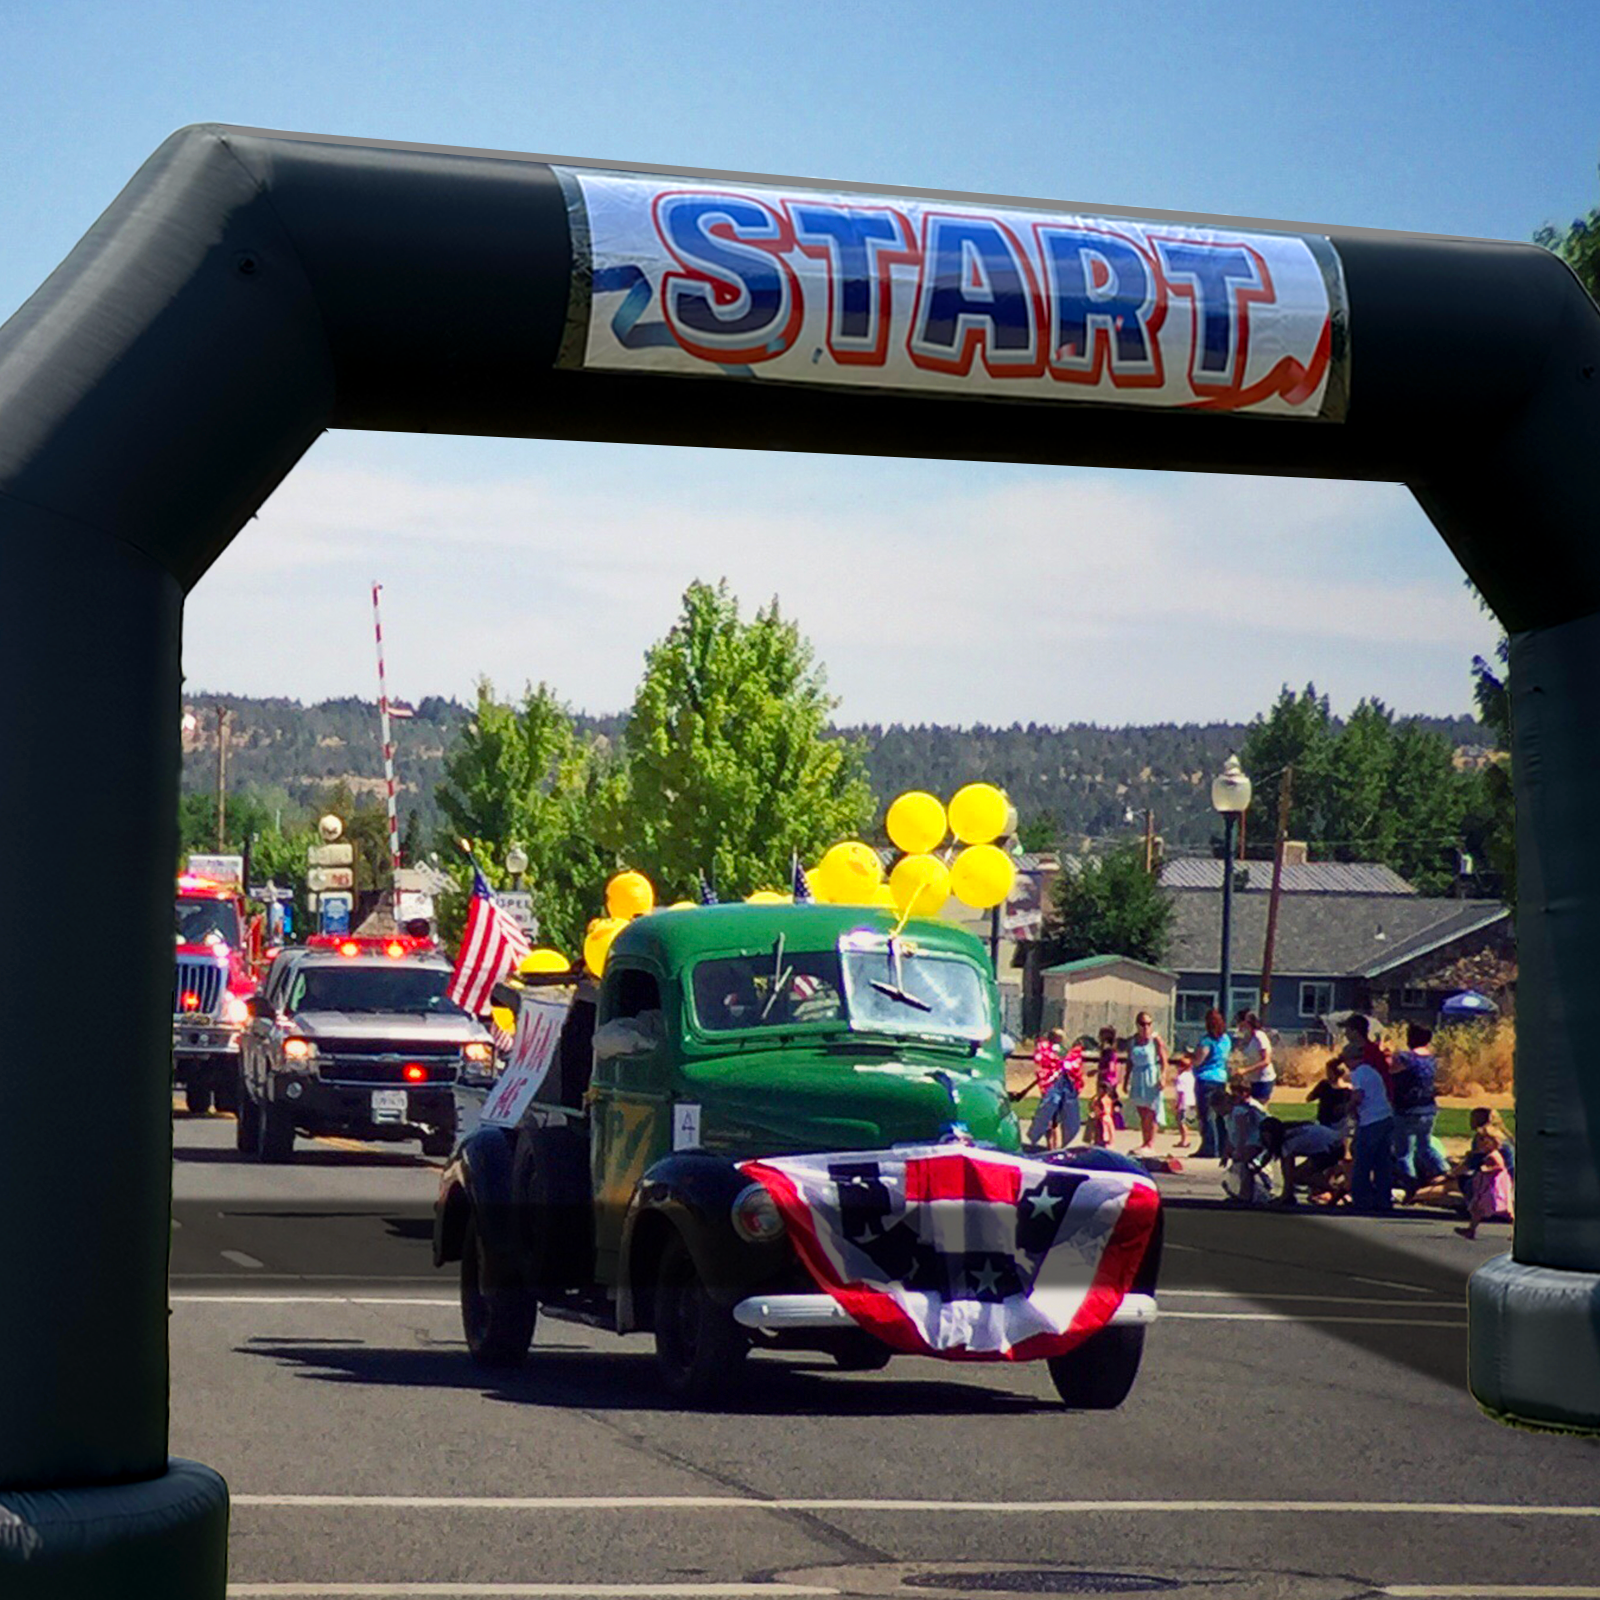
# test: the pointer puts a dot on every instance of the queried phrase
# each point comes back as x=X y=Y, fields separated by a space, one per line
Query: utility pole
x=1285 y=789
x=222 y=779
x=1149 y=841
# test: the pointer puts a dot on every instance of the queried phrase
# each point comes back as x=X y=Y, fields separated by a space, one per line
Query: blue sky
x=934 y=591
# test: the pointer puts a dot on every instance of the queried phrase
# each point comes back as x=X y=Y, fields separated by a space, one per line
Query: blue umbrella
x=1468 y=1004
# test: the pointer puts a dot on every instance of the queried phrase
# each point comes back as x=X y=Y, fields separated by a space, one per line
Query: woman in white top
x=1252 y=1058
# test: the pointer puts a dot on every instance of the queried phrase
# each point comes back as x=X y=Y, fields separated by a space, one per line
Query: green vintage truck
x=841 y=1057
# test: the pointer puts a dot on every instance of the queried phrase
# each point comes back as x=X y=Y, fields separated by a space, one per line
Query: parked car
x=732 y=1055
x=355 y=1037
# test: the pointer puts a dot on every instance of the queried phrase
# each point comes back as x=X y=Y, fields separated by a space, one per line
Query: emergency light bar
x=396 y=946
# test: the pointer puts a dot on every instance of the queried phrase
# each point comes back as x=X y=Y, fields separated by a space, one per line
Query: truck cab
x=718 y=1036
x=213 y=977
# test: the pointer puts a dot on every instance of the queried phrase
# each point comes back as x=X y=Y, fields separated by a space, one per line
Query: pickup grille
x=201 y=978
x=345 y=1068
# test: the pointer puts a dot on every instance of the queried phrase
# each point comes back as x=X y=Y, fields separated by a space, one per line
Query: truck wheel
x=197 y=1097
x=247 y=1130
x=498 y=1319
x=438 y=1142
x=225 y=1092
x=861 y=1352
x=276 y=1142
x=1099 y=1373
x=700 y=1349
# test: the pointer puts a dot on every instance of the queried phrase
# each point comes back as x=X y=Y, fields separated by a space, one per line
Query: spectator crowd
x=1371 y=1136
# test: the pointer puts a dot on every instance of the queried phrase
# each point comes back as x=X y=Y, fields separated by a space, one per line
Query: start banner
x=803 y=286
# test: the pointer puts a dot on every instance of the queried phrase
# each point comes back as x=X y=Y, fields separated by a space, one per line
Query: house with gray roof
x=1382 y=950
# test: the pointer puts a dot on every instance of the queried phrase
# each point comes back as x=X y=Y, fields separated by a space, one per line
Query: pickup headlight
x=756 y=1217
x=299 y=1050
x=234 y=1011
x=480 y=1052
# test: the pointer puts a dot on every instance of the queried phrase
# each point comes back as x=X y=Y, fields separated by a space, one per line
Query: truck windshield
x=775 y=990
x=897 y=988
x=205 y=922
x=396 y=990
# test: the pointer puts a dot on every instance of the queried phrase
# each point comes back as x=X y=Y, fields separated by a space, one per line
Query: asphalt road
x=1301 y=1427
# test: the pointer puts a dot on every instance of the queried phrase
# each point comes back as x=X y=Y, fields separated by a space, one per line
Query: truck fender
x=690 y=1195
x=477 y=1182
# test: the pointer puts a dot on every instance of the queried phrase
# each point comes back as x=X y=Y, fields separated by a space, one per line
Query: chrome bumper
x=780 y=1313
x=204 y=1039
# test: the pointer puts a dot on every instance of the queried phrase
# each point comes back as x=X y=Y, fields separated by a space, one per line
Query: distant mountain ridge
x=1086 y=777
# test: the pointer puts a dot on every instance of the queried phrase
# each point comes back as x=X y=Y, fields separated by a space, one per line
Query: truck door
x=632 y=1107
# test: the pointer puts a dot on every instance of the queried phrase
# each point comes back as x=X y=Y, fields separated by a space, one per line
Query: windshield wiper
x=780 y=979
x=896 y=990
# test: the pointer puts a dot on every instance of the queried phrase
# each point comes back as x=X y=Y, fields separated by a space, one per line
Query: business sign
x=334 y=911
x=803 y=286
x=320 y=878
x=331 y=855
x=219 y=869
x=540 y=1019
x=518 y=905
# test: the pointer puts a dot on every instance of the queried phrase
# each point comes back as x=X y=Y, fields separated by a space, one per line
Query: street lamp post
x=1230 y=795
x=516 y=864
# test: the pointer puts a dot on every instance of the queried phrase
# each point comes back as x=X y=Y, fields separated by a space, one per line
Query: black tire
x=700 y=1349
x=247 y=1130
x=225 y=1091
x=1099 y=1373
x=498 y=1317
x=860 y=1352
x=197 y=1098
x=439 y=1142
x=275 y=1144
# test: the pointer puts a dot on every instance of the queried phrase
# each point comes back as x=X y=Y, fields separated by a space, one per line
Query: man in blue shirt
x=1415 y=1107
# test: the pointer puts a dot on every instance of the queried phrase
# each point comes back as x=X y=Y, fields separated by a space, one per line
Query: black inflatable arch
x=250 y=289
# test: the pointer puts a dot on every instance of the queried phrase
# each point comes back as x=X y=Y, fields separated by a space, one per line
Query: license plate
x=388 y=1105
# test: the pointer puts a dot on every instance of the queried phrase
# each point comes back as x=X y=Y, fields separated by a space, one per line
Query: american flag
x=491 y=946
x=802 y=889
x=966 y=1253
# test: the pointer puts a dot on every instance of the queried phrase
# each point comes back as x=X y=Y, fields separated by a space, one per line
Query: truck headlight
x=234 y=1011
x=756 y=1217
x=479 y=1051
x=299 y=1050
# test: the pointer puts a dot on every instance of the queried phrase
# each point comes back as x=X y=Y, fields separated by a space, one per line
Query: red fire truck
x=214 y=972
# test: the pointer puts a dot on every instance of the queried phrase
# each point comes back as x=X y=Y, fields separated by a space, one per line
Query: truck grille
x=344 y=1068
x=203 y=979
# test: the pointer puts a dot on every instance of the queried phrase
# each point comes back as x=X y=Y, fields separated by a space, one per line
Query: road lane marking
x=1318 y=1299
x=1493 y=1591
x=1295 y=1316
x=642 y=1590
x=1390 y=1283
x=1379 y=1508
x=239 y=1258
x=312 y=1300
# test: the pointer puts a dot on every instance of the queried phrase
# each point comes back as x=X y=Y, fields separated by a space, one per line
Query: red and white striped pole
x=388 y=754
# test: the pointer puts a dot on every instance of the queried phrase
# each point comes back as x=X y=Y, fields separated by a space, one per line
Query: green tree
x=1039 y=832
x=728 y=767
x=1579 y=246
x=1108 y=905
x=1359 y=819
x=1429 y=800
x=1297 y=732
x=1491 y=828
x=520 y=774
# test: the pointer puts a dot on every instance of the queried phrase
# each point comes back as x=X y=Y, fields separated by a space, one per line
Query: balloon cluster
x=628 y=895
x=980 y=875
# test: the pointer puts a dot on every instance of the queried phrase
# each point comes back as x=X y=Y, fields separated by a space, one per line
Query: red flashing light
x=395 y=945
x=189 y=1000
x=415 y=1073
x=349 y=948
x=394 y=948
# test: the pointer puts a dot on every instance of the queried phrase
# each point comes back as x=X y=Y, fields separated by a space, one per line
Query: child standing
x=1103 y=1124
x=1183 y=1101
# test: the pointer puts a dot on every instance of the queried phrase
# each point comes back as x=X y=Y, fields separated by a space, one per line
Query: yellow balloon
x=883 y=896
x=849 y=872
x=982 y=876
x=916 y=822
x=681 y=905
x=630 y=894
x=920 y=884
x=597 y=942
x=978 y=813
x=544 y=959
x=503 y=1019
x=767 y=897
